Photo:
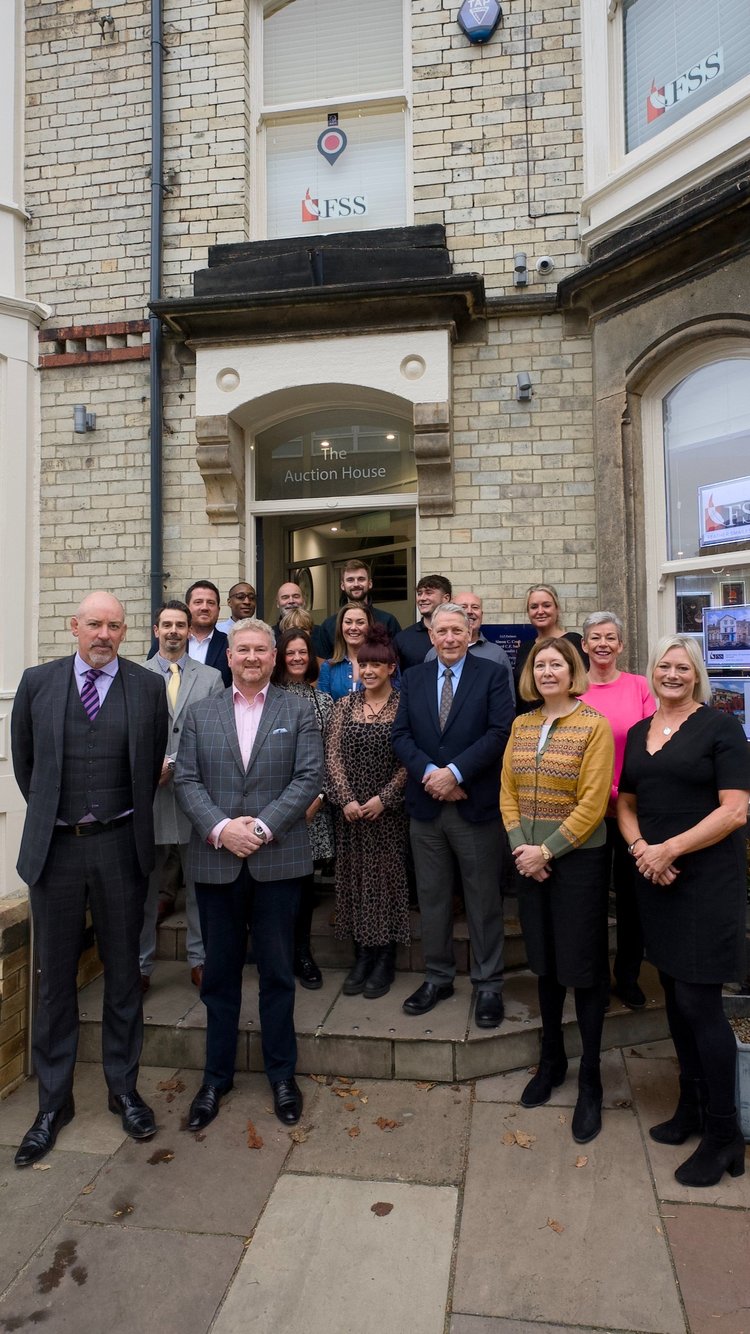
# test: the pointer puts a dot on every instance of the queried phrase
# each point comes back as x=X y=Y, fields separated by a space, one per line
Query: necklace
x=667 y=731
x=371 y=711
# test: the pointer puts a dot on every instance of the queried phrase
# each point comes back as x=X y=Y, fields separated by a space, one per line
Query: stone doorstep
x=347 y=1035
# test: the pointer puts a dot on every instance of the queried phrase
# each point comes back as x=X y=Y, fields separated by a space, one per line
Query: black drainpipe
x=155 y=329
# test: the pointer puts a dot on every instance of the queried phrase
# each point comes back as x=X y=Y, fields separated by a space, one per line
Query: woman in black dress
x=682 y=811
x=543 y=611
x=366 y=784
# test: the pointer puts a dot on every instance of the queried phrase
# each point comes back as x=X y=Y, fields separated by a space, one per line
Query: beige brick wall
x=14 y=987
x=524 y=473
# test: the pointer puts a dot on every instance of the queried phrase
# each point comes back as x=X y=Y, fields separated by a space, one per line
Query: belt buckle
x=77 y=831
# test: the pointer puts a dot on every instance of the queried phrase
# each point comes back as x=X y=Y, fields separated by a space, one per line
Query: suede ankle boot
x=689 y=1116
x=722 y=1149
x=553 y=1067
x=587 y=1117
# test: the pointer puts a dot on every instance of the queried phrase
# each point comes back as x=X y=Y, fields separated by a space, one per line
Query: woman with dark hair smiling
x=366 y=783
x=557 y=775
x=296 y=670
x=682 y=811
x=339 y=674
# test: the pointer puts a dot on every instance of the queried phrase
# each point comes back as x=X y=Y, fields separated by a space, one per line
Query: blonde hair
x=701 y=688
x=579 y=681
x=296 y=619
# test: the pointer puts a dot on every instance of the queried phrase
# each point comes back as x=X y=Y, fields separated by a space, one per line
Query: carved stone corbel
x=433 y=451
x=221 y=459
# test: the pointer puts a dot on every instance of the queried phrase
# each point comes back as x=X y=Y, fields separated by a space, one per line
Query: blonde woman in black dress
x=366 y=784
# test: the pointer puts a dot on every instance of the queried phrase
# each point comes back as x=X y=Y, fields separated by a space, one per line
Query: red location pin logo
x=331 y=144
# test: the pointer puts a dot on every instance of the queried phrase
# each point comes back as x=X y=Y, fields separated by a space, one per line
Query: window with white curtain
x=679 y=54
x=334 y=116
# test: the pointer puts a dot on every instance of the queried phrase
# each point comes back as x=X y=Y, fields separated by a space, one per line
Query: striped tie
x=173 y=685
x=90 y=694
x=446 y=698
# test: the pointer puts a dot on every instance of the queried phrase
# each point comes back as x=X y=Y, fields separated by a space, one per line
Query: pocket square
x=278 y=730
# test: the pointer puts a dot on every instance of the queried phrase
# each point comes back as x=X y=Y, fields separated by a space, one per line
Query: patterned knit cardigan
x=558 y=796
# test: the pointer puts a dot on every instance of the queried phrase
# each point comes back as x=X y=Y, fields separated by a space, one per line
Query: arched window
x=696 y=436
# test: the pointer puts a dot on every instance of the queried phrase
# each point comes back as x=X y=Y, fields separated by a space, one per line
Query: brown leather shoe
x=196 y=975
x=145 y=983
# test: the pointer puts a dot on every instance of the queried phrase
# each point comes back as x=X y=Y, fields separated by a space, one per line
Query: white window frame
x=393 y=99
x=661 y=571
x=620 y=187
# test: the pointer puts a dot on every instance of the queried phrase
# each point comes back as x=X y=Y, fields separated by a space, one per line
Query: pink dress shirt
x=247 y=716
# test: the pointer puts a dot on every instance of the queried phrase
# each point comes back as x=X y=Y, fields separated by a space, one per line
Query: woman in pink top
x=624 y=699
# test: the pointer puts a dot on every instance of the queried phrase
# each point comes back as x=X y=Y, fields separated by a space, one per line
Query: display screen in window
x=678 y=55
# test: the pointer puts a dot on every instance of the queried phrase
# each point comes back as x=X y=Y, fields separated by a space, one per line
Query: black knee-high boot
x=305 y=967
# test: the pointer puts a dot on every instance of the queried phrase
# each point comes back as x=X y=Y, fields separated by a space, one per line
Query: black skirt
x=564 y=919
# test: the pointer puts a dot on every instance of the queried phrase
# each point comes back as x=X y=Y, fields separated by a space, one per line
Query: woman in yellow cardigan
x=557 y=776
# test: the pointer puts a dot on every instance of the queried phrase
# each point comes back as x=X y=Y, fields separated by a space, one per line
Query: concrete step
x=329 y=952
x=347 y=1035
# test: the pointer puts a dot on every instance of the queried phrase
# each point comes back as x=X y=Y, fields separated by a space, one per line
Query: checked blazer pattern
x=284 y=774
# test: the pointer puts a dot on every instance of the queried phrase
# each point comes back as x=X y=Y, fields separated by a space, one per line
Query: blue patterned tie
x=90 y=694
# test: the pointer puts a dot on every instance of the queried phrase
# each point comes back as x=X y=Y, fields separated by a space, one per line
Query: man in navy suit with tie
x=88 y=736
x=450 y=732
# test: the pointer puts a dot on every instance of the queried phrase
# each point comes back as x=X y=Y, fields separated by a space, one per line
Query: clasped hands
x=443 y=785
x=238 y=836
x=366 y=810
x=530 y=862
x=654 y=861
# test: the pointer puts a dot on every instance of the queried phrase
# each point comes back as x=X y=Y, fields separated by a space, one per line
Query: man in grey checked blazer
x=250 y=762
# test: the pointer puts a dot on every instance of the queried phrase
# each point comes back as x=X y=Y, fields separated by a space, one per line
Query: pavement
x=411 y=1207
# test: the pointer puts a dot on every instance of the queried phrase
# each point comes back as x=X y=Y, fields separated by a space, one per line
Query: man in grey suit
x=250 y=763
x=186 y=681
x=88 y=736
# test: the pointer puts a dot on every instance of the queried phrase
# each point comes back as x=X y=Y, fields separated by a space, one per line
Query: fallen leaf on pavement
x=353 y=1093
x=350 y=1106
x=562 y=1119
x=319 y=1079
x=353 y=1132
x=581 y=1160
x=633 y=1052
x=381 y=1208
x=254 y=1140
x=661 y=1234
x=623 y=1102
x=171 y=1086
x=122 y=1210
x=425 y=1085
x=385 y=1124
x=556 y=1227
x=344 y=1079
x=299 y=1136
x=364 y=1098
x=42 y=1167
x=341 y=1093
x=519 y=1137
x=87 y=1190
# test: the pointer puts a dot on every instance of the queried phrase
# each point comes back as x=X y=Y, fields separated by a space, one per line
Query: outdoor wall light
x=478 y=19
x=523 y=387
x=520 y=270
x=83 y=420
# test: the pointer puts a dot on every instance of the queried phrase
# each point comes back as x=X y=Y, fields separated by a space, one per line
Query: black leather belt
x=93 y=826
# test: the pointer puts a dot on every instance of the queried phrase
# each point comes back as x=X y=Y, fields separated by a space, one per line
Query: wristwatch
x=546 y=854
x=260 y=832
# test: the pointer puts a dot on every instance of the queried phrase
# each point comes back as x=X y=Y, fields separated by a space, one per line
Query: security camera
x=523 y=387
x=520 y=270
x=544 y=265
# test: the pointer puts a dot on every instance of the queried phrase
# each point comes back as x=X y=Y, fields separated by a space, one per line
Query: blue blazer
x=474 y=739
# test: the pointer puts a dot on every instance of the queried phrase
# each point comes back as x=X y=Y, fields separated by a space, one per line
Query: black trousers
x=103 y=872
x=629 y=955
x=268 y=908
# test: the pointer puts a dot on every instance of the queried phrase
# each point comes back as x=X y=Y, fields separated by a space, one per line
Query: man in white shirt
x=242 y=601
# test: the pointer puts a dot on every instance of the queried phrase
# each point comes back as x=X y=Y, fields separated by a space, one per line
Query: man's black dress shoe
x=205 y=1105
x=426 y=997
x=137 y=1117
x=40 y=1138
x=489 y=1010
x=307 y=972
x=287 y=1101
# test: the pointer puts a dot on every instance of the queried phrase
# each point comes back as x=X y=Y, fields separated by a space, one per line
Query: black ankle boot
x=587 y=1117
x=382 y=973
x=305 y=967
x=354 y=982
x=553 y=1067
x=722 y=1149
x=689 y=1116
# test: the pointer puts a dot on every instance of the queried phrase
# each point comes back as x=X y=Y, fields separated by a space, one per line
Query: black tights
x=703 y=1038
x=590 y=1006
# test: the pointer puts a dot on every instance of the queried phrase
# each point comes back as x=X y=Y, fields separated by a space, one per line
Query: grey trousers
x=194 y=947
x=477 y=850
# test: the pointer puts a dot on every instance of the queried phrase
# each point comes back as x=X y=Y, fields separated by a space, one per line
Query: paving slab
x=655 y=1090
x=355 y=1016
x=370 y=1058
x=605 y=1263
x=711 y=1249
x=509 y=1087
x=321 y=1261
x=661 y=1050
x=86 y=1279
x=209 y=1182
x=93 y=1129
x=32 y=1201
x=310 y=1007
x=168 y=1001
x=478 y=1324
x=427 y=1143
